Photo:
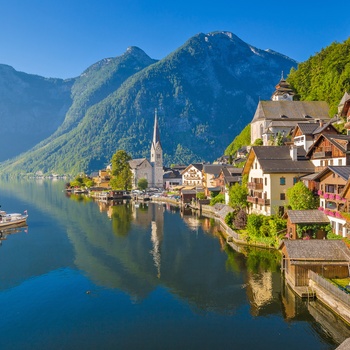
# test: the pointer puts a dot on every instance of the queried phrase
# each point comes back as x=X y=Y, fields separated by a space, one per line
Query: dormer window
x=307 y=117
x=284 y=116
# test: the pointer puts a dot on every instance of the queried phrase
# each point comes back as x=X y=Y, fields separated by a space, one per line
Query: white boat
x=12 y=219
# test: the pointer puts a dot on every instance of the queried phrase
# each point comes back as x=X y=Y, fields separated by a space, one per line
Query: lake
x=87 y=275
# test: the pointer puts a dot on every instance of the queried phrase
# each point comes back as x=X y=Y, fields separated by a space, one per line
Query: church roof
x=135 y=163
x=291 y=110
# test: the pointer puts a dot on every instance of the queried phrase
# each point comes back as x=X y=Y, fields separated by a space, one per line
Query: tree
x=238 y=196
x=142 y=184
x=301 y=198
x=122 y=175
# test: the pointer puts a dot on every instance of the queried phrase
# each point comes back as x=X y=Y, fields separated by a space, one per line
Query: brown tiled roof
x=317 y=249
x=307 y=217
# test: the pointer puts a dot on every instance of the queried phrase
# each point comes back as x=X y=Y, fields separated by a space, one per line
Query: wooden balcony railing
x=255 y=186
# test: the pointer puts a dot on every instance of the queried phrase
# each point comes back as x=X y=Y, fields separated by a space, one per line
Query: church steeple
x=156 y=138
x=157 y=155
x=283 y=91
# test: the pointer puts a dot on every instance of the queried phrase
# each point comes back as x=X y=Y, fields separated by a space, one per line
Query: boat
x=12 y=219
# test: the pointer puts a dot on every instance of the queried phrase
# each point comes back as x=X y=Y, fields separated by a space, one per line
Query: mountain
x=31 y=109
x=205 y=92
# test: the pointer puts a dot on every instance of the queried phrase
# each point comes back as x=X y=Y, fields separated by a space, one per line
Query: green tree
x=238 y=196
x=122 y=175
x=301 y=198
x=142 y=184
x=220 y=198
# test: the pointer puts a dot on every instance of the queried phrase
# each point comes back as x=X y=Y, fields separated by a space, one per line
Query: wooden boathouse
x=327 y=258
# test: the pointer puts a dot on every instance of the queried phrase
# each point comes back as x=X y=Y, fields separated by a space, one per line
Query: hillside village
x=298 y=142
x=311 y=150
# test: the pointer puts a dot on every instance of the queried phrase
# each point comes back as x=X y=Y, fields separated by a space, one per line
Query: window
x=282 y=180
x=295 y=180
x=282 y=196
x=339 y=161
x=265 y=181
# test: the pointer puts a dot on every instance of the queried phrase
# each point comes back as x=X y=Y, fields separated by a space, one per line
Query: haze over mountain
x=205 y=93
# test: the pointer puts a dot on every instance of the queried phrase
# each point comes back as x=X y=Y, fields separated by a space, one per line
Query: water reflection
x=140 y=250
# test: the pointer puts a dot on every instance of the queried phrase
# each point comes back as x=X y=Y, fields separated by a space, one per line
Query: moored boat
x=12 y=219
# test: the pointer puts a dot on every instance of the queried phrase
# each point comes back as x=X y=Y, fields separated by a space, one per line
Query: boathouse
x=328 y=258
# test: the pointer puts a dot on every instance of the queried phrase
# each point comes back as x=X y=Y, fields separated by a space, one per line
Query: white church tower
x=156 y=156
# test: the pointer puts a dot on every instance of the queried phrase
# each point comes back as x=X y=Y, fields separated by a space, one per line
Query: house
x=344 y=106
x=187 y=196
x=171 y=178
x=228 y=177
x=332 y=182
x=271 y=171
x=305 y=134
x=211 y=174
x=103 y=178
x=192 y=175
x=282 y=114
x=329 y=150
x=299 y=218
x=328 y=258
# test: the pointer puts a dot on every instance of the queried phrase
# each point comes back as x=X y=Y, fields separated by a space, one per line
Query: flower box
x=331 y=196
x=338 y=215
x=321 y=208
x=326 y=195
x=320 y=193
x=337 y=197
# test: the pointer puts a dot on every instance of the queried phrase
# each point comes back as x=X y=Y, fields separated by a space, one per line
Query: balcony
x=255 y=186
x=263 y=201
x=253 y=200
x=324 y=154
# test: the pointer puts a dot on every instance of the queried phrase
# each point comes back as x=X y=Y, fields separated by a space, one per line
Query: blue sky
x=61 y=38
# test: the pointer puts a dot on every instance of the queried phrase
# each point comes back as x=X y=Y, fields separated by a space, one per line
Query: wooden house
x=329 y=150
x=328 y=258
x=306 y=218
x=305 y=134
x=187 y=196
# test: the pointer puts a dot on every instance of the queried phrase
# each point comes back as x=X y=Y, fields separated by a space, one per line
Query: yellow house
x=271 y=171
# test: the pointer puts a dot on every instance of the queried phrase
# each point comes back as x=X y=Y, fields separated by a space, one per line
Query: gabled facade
x=332 y=182
x=271 y=171
x=330 y=150
x=141 y=169
x=273 y=117
x=192 y=175
x=305 y=134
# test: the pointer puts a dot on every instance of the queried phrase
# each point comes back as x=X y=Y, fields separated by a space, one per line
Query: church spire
x=156 y=137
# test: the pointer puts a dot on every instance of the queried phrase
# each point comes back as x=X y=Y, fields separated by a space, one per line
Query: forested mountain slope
x=205 y=92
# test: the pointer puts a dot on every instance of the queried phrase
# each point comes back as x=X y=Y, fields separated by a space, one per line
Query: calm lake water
x=84 y=275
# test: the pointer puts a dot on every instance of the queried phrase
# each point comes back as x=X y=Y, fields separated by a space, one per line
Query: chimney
x=321 y=123
x=294 y=152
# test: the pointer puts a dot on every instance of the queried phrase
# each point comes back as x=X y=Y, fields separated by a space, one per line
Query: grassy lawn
x=342 y=282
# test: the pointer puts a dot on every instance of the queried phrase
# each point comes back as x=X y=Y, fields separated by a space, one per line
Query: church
x=151 y=170
x=281 y=114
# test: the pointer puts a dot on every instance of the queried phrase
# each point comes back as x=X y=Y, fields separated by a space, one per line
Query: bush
x=220 y=198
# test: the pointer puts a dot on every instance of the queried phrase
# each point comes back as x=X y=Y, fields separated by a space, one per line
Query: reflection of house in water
x=294 y=308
